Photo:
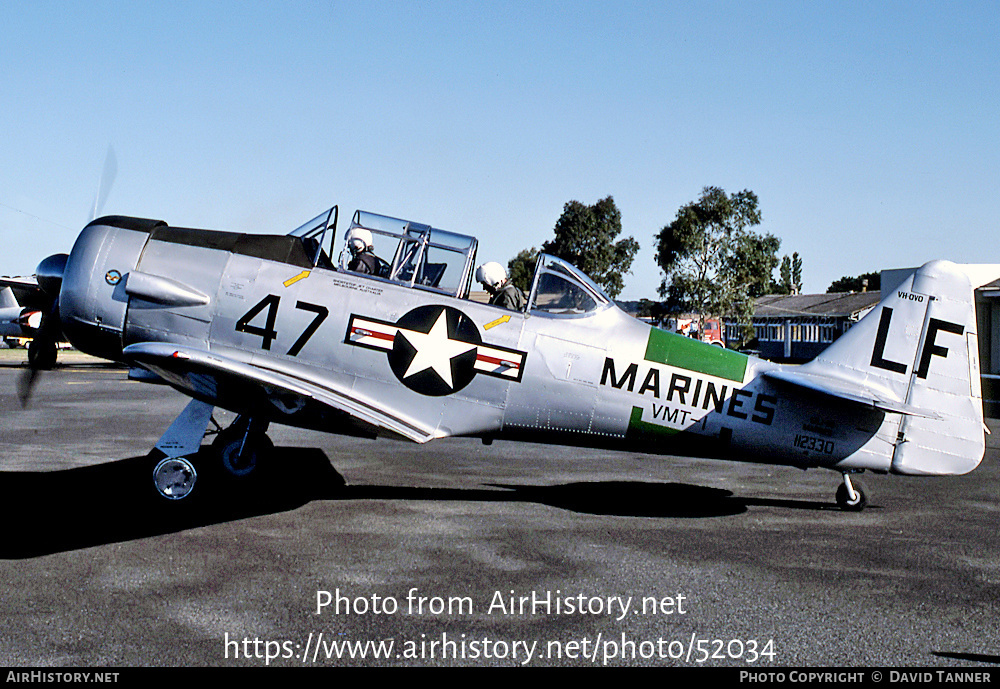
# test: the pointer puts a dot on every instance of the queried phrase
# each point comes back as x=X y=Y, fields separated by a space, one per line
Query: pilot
x=493 y=277
x=363 y=258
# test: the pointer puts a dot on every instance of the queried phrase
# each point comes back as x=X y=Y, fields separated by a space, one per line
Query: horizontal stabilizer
x=849 y=391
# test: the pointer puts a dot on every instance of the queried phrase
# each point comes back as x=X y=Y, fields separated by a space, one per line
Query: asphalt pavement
x=346 y=552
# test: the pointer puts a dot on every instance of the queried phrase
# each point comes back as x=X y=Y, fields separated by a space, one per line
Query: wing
x=26 y=291
x=848 y=390
x=268 y=393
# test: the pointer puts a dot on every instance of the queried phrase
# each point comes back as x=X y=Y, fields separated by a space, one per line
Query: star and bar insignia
x=435 y=350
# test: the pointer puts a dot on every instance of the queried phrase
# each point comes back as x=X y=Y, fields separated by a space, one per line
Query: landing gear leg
x=851 y=497
x=243 y=446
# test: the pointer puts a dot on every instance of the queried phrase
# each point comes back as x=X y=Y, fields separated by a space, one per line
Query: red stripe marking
x=496 y=362
x=372 y=333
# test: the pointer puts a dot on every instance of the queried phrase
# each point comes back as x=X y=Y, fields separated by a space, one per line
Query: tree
x=791 y=275
x=521 y=268
x=785 y=286
x=714 y=263
x=585 y=236
x=857 y=284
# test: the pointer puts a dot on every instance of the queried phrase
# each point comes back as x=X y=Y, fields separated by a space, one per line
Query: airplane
x=21 y=316
x=276 y=329
x=15 y=320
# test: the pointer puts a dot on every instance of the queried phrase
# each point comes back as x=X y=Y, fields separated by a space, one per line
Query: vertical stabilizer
x=7 y=299
x=919 y=348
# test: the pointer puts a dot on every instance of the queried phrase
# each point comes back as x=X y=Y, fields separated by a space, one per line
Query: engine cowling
x=92 y=299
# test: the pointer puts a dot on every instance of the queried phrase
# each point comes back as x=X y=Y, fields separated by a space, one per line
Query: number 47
x=267 y=333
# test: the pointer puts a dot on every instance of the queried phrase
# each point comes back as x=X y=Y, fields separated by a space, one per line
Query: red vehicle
x=711 y=330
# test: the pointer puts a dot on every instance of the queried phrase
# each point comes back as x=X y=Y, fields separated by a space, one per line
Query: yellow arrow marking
x=499 y=321
x=291 y=281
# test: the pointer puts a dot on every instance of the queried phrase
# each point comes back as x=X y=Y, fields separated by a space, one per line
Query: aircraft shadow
x=607 y=498
x=51 y=512
x=972 y=657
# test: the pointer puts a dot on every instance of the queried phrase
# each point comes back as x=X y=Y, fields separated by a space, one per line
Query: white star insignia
x=435 y=350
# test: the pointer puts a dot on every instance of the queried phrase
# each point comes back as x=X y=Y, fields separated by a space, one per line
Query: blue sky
x=869 y=131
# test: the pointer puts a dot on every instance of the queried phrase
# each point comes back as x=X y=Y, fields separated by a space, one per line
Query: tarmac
x=462 y=554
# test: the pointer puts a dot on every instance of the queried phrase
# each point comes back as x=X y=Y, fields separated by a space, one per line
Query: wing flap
x=197 y=372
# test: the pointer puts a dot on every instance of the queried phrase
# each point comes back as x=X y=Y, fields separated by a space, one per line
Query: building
x=987 y=285
x=988 y=320
x=797 y=327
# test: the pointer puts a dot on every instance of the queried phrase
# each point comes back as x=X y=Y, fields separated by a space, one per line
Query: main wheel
x=242 y=452
x=848 y=504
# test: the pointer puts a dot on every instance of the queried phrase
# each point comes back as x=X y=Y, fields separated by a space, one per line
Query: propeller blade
x=25 y=384
x=41 y=352
x=42 y=348
x=107 y=179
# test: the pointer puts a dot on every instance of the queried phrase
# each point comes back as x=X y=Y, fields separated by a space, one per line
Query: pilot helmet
x=359 y=239
x=491 y=274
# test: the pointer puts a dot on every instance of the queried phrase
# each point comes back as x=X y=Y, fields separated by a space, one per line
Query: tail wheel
x=850 y=503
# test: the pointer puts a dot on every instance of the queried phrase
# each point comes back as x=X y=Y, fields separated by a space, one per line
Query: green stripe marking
x=684 y=352
x=635 y=423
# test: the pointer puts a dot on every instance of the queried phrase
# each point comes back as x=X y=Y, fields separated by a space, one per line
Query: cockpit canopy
x=425 y=257
x=420 y=255
x=313 y=233
x=559 y=289
x=411 y=253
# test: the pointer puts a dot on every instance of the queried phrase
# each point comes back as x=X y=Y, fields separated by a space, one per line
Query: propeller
x=49 y=274
x=42 y=349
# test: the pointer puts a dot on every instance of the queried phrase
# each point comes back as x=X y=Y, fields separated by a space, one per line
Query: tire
x=256 y=450
x=844 y=499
